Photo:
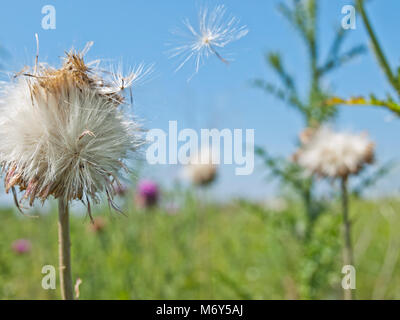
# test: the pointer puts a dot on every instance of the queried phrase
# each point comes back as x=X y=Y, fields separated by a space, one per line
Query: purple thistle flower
x=147 y=193
x=21 y=246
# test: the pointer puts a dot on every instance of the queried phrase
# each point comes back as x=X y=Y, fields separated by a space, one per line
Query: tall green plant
x=310 y=105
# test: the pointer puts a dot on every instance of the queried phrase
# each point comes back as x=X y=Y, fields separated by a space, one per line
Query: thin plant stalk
x=348 y=249
x=380 y=56
x=64 y=247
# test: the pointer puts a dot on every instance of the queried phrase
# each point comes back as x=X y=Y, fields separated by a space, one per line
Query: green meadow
x=237 y=250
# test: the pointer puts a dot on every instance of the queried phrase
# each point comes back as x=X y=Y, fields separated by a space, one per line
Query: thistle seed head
x=334 y=154
x=64 y=134
x=201 y=170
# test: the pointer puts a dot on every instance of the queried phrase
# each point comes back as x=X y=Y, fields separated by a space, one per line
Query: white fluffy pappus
x=214 y=32
x=334 y=154
x=201 y=170
x=117 y=81
x=63 y=136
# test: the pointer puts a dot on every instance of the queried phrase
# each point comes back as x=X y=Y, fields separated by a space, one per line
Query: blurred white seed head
x=201 y=170
x=334 y=154
x=64 y=133
x=213 y=33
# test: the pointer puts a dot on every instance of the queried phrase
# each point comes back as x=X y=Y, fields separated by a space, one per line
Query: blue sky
x=219 y=96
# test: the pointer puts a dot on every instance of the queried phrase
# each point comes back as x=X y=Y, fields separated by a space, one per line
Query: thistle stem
x=64 y=245
x=348 y=249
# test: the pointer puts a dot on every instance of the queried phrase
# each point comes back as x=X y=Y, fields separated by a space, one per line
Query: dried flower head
x=334 y=154
x=64 y=133
x=214 y=32
x=201 y=170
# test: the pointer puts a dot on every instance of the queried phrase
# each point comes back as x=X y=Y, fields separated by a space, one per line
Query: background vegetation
x=240 y=250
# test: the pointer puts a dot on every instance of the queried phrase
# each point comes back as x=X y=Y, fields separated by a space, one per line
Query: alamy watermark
x=180 y=146
x=49 y=20
x=349 y=20
x=349 y=280
x=49 y=280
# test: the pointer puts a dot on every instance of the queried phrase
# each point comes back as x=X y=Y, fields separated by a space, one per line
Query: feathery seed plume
x=213 y=33
x=117 y=81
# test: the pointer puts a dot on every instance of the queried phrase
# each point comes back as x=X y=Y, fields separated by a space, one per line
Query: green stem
x=64 y=245
x=348 y=249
